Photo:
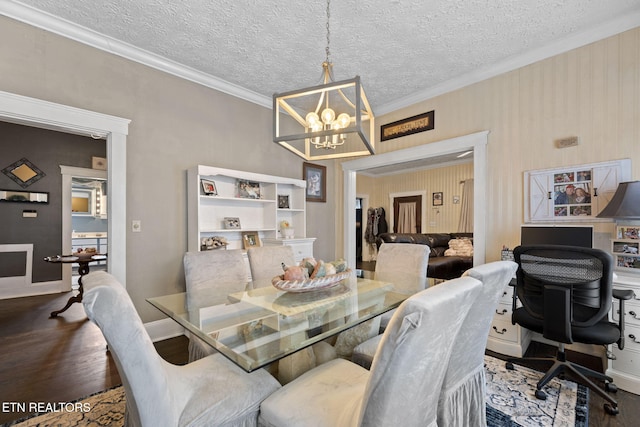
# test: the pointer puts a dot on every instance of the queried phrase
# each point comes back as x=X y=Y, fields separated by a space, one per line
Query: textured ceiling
x=400 y=48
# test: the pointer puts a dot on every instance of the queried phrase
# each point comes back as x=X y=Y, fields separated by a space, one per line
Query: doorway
x=475 y=142
x=48 y=115
x=407 y=214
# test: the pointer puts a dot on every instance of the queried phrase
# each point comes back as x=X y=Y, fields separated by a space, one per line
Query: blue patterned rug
x=511 y=400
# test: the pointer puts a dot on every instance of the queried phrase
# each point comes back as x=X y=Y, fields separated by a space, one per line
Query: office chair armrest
x=513 y=282
x=622 y=296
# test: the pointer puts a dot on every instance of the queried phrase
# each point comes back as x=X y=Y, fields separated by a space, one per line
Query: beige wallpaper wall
x=591 y=92
x=175 y=124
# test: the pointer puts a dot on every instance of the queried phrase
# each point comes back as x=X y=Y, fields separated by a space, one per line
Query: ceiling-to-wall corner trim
x=559 y=46
x=83 y=35
x=43 y=114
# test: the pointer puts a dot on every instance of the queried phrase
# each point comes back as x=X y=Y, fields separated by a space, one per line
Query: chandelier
x=328 y=121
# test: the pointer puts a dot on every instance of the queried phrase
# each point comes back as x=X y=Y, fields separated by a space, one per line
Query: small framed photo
x=437 y=199
x=625 y=232
x=283 y=201
x=316 y=177
x=248 y=189
x=209 y=187
x=231 y=223
x=250 y=239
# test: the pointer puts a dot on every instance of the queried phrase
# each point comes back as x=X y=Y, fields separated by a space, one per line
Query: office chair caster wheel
x=611 y=410
x=541 y=395
x=611 y=387
x=509 y=366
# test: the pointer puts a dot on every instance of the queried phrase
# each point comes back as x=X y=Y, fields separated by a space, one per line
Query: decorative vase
x=288 y=233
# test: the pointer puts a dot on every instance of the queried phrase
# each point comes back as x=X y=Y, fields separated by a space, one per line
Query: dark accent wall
x=47 y=150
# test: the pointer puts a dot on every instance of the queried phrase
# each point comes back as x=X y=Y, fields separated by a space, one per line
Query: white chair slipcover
x=266 y=262
x=209 y=392
x=462 y=401
x=404 y=265
x=210 y=276
x=403 y=386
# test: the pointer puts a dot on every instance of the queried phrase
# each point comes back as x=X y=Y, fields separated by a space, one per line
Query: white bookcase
x=274 y=199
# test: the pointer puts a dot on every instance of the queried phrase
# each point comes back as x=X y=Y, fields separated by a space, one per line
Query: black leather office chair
x=566 y=295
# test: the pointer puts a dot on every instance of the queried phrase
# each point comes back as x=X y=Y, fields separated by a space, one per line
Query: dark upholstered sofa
x=440 y=266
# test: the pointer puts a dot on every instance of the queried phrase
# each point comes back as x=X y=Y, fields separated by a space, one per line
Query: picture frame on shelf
x=629 y=262
x=626 y=247
x=231 y=223
x=250 y=239
x=316 y=177
x=248 y=189
x=209 y=187
x=283 y=201
x=628 y=232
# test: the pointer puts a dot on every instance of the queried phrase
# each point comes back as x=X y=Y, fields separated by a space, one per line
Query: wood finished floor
x=65 y=358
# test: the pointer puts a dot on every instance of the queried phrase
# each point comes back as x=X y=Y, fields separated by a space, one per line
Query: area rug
x=101 y=409
x=511 y=400
x=510 y=403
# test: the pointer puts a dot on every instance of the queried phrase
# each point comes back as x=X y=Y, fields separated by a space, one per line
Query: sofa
x=440 y=266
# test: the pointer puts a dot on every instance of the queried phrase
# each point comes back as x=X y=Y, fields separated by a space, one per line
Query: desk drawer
x=631 y=315
x=503 y=312
x=504 y=330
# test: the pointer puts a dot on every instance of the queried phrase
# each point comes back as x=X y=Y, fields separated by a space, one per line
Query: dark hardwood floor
x=65 y=358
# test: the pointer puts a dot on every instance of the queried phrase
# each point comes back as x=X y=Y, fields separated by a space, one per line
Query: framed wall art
x=437 y=199
x=316 y=177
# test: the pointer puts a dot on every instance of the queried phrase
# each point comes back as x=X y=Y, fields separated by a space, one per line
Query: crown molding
x=45 y=21
x=562 y=45
x=70 y=30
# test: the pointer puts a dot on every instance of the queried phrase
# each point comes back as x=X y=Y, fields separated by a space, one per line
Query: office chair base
x=562 y=366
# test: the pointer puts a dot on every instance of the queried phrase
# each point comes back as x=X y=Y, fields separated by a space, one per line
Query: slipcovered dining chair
x=403 y=386
x=210 y=276
x=405 y=266
x=209 y=392
x=266 y=262
x=462 y=400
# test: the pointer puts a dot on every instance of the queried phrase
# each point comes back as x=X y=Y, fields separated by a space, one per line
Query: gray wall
x=175 y=124
x=47 y=150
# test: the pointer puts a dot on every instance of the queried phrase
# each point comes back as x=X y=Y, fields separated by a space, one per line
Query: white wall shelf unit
x=270 y=201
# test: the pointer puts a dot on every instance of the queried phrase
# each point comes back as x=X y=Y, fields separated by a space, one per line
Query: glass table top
x=262 y=325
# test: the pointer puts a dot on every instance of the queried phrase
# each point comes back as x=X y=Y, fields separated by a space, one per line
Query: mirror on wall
x=88 y=197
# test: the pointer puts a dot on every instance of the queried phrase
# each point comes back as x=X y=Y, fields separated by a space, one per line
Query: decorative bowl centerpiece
x=309 y=285
x=311 y=275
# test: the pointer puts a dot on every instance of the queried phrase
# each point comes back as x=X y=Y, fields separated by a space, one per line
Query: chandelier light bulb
x=311 y=119
x=328 y=116
x=317 y=126
x=344 y=120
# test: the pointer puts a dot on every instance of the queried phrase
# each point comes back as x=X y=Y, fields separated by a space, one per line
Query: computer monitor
x=557 y=235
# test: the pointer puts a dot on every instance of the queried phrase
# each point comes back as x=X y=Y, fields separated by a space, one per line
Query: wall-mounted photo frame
x=283 y=201
x=625 y=232
x=250 y=239
x=437 y=198
x=24 y=196
x=209 y=187
x=231 y=223
x=248 y=189
x=316 y=177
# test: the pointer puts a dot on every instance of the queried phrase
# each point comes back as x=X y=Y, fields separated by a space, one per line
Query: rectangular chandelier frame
x=360 y=114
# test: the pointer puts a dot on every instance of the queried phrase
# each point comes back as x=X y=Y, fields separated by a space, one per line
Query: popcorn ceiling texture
x=398 y=47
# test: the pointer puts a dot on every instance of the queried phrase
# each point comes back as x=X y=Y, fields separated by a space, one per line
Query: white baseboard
x=163 y=329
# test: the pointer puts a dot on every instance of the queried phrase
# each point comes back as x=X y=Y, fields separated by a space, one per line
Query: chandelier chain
x=328 y=30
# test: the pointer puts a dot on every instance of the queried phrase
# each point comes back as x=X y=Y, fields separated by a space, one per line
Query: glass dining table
x=259 y=326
